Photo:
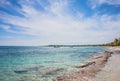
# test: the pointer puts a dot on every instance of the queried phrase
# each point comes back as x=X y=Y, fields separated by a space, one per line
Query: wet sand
x=104 y=67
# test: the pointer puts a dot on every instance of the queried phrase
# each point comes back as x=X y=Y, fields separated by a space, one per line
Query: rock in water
x=20 y=72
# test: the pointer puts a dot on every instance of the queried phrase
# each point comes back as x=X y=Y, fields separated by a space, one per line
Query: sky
x=44 y=22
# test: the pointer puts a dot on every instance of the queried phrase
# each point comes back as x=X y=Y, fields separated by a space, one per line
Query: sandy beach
x=104 y=67
x=111 y=71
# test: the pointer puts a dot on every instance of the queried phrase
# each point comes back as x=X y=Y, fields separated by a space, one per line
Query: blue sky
x=43 y=22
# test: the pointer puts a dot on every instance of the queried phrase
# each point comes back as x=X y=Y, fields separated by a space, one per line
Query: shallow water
x=27 y=63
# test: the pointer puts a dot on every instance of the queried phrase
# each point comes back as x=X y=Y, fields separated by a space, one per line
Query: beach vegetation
x=116 y=42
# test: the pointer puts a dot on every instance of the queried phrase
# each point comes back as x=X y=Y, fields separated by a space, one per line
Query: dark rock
x=21 y=71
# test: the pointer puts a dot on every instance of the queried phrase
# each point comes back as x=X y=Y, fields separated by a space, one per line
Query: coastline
x=92 y=68
x=111 y=71
x=63 y=61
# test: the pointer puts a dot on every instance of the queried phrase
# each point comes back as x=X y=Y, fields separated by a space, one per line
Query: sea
x=42 y=63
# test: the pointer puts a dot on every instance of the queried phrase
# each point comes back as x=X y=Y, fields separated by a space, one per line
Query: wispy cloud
x=96 y=3
x=55 y=24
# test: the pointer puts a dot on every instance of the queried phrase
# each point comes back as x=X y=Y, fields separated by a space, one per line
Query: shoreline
x=90 y=68
x=111 y=71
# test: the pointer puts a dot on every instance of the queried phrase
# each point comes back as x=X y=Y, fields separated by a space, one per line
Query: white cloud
x=95 y=3
x=113 y=2
x=57 y=26
x=7 y=28
x=4 y=3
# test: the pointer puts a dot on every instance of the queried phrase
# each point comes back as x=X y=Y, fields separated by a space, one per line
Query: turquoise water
x=27 y=63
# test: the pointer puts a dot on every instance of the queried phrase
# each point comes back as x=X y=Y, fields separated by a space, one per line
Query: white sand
x=111 y=71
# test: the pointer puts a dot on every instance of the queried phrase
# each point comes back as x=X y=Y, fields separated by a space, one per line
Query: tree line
x=116 y=42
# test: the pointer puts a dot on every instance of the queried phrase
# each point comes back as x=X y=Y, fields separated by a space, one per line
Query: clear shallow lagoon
x=35 y=63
